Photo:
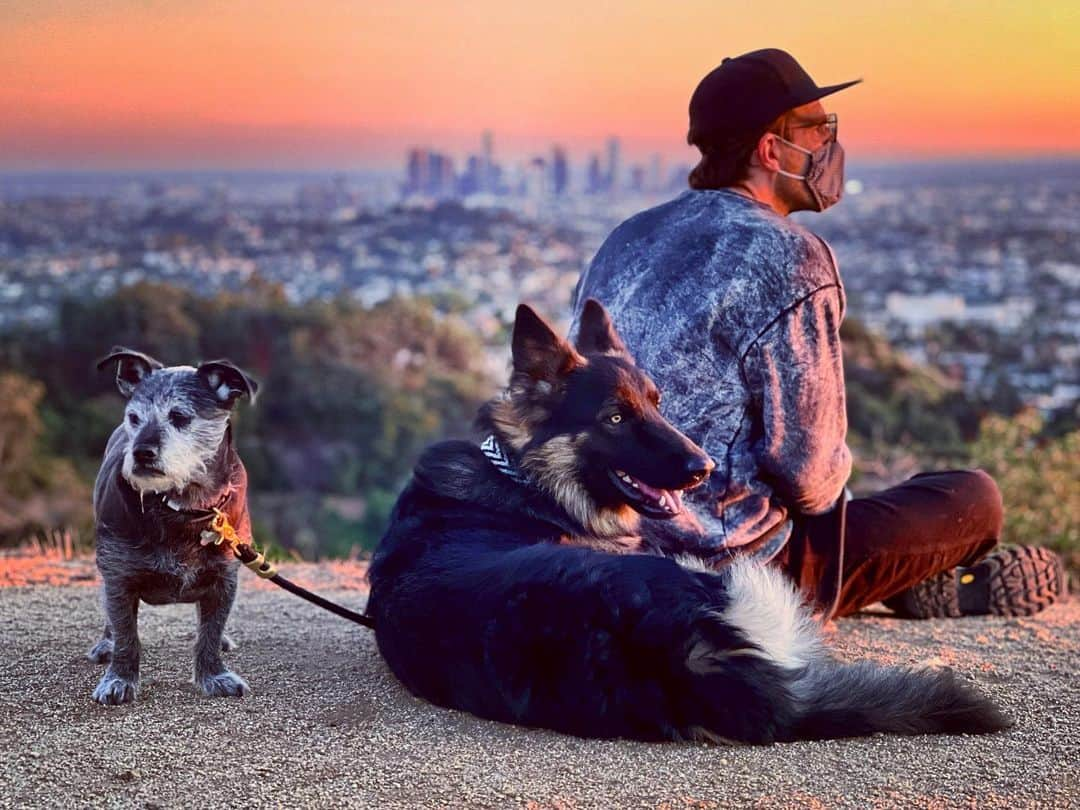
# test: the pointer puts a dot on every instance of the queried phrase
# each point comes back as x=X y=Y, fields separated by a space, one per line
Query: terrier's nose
x=698 y=468
x=144 y=454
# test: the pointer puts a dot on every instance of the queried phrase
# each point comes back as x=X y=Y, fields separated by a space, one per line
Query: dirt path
x=327 y=725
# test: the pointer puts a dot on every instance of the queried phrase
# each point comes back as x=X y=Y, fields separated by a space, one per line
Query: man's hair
x=725 y=159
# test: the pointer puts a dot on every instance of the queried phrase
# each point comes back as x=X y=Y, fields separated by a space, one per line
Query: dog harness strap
x=500 y=460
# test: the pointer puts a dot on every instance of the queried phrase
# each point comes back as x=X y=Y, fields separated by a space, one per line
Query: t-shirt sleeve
x=795 y=371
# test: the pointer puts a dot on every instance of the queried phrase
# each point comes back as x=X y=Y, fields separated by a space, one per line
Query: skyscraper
x=560 y=171
x=595 y=181
x=487 y=177
x=416 y=171
x=613 y=167
x=440 y=179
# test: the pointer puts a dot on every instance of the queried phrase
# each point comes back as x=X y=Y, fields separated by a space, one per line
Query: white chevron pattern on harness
x=497 y=456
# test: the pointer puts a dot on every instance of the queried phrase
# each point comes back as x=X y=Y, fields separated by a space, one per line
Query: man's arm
x=795 y=369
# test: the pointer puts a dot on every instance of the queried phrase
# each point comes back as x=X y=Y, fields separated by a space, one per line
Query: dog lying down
x=489 y=595
x=166 y=466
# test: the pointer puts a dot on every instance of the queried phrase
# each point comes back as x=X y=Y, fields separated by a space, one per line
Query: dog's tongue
x=676 y=500
x=674 y=497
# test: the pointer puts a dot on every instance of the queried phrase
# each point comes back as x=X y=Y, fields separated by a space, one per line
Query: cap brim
x=821 y=92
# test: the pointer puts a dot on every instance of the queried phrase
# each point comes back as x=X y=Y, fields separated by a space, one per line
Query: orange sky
x=347 y=83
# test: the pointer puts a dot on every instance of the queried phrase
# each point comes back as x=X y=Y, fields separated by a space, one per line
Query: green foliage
x=38 y=491
x=1038 y=475
x=349 y=396
x=380 y=504
x=893 y=402
x=20 y=426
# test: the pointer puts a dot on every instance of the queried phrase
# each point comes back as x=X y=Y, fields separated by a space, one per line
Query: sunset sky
x=98 y=84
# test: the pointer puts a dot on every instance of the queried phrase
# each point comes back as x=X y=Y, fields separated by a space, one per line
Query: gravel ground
x=327 y=725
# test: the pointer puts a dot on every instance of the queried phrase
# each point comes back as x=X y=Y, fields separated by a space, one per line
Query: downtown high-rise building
x=560 y=171
x=613 y=164
x=488 y=181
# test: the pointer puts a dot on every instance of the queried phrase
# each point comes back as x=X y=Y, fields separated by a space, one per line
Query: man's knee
x=984 y=492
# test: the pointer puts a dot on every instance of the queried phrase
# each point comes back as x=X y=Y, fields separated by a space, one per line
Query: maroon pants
x=894 y=539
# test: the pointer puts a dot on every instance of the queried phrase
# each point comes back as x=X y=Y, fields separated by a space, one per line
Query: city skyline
x=429 y=171
x=124 y=85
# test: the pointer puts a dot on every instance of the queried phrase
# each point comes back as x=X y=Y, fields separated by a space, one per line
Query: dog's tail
x=833 y=699
x=854 y=700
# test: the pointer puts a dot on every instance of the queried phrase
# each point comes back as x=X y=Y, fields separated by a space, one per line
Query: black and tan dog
x=486 y=597
x=167 y=465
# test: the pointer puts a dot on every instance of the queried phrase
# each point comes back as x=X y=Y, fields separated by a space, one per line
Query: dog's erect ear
x=133 y=367
x=596 y=332
x=537 y=350
x=228 y=382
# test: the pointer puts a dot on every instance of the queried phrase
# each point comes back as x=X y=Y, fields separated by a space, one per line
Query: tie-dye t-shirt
x=735 y=312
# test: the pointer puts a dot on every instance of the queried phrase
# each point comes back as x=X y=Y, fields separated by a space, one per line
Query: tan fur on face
x=553 y=467
x=518 y=410
x=511 y=424
x=513 y=414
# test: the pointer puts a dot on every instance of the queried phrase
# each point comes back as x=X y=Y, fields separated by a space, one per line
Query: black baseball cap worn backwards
x=746 y=93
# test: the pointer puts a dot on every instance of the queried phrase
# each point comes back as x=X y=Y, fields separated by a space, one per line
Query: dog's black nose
x=698 y=468
x=144 y=454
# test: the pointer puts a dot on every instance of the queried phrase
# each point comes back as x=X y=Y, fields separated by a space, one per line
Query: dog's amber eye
x=615 y=418
x=133 y=419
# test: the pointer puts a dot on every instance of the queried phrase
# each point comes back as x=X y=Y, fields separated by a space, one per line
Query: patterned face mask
x=825 y=174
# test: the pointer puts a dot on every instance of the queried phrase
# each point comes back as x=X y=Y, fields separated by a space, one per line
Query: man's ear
x=227 y=381
x=132 y=367
x=768 y=152
x=596 y=332
x=538 y=352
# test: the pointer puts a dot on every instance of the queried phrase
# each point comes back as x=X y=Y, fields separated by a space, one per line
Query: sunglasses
x=827 y=126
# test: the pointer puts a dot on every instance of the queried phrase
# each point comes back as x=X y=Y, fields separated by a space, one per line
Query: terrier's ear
x=228 y=381
x=132 y=367
x=538 y=352
x=596 y=332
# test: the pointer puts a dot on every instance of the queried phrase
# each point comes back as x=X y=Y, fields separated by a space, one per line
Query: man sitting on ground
x=735 y=310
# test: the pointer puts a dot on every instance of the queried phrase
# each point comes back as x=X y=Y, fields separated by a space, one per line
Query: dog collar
x=195 y=514
x=500 y=460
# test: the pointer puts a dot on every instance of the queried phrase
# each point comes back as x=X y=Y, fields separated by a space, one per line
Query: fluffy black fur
x=485 y=599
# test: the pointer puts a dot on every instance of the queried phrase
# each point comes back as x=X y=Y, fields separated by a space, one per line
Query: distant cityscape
x=433 y=173
x=972 y=268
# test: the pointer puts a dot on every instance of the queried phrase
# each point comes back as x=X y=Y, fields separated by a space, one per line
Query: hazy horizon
x=577 y=159
x=125 y=85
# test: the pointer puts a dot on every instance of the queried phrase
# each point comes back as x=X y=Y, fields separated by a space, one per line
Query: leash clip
x=221 y=531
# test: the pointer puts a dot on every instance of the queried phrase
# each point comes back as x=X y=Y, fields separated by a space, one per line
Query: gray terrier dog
x=166 y=468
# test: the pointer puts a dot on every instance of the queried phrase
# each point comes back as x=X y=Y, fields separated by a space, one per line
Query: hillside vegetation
x=351 y=395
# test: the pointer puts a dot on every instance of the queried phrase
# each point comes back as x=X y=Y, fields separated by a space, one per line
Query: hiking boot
x=1016 y=581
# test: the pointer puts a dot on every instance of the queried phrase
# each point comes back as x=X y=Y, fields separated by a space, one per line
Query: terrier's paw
x=227 y=644
x=112 y=690
x=223 y=684
x=101 y=653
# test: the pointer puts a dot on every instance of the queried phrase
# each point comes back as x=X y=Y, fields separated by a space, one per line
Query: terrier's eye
x=179 y=419
x=615 y=418
x=133 y=419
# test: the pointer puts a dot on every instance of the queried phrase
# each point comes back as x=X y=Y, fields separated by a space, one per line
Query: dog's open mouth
x=145 y=471
x=650 y=501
